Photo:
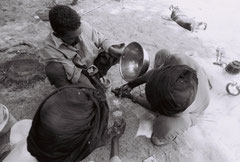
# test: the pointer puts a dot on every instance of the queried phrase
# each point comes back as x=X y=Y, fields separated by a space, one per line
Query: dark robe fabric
x=68 y=125
x=105 y=61
x=171 y=89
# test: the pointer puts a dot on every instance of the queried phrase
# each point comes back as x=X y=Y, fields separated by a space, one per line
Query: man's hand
x=117 y=49
x=113 y=133
x=126 y=88
x=119 y=92
x=118 y=129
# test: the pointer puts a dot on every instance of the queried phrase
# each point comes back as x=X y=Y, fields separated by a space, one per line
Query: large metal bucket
x=134 y=62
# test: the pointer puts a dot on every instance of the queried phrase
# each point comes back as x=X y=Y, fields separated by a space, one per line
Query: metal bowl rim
x=145 y=60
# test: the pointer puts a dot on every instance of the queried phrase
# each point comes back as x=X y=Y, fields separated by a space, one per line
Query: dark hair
x=82 y=121
x=63 y=18
x=171 y=89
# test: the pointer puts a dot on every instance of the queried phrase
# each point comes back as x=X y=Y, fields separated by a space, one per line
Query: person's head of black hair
x=171 y=89
x=63 y=19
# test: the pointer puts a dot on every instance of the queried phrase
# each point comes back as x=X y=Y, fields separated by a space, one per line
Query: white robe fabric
x=18 y=141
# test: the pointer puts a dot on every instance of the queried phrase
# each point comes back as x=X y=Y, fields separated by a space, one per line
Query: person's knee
x=162 y=129
x=161 y=57
x=54 y=68
x=167 y=129
x=56 y=74
x=163 y=52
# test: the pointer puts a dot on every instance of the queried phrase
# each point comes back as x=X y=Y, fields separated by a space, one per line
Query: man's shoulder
x=87 y=29
x=48 y=41
x=186 y=60
x=84 y=23
x=49 y=44
x=181 y=56
x=49 y=50
x=85 y=26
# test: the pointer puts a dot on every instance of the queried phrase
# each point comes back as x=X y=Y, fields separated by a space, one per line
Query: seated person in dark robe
x=68 y=125
x=177 y=92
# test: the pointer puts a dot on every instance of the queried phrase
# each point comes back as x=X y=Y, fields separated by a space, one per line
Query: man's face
x=71 y=37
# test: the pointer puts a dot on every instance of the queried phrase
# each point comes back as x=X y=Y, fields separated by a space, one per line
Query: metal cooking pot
x=233 y=67
x=134 y=62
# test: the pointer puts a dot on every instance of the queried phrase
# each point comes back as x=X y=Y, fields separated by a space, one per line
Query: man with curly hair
x=73 y=48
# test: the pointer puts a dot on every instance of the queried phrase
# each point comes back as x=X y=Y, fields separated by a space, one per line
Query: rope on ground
x=85 y=13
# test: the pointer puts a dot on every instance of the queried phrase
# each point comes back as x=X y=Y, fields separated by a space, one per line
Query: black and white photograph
x=119 y=81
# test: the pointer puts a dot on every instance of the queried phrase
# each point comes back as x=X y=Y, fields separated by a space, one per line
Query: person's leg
x=160 y=57
x=56 y=74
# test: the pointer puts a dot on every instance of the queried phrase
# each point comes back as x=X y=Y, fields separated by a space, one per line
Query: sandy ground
x=214 y=139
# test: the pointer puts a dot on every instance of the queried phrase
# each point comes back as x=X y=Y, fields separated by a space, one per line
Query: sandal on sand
x=106 y=82
x=157 y=142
